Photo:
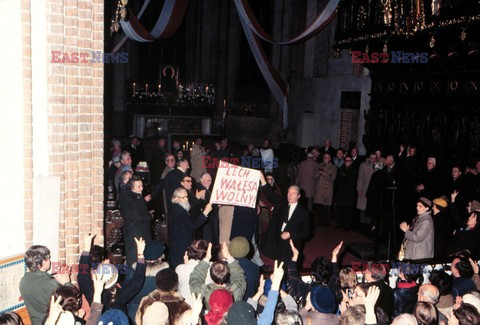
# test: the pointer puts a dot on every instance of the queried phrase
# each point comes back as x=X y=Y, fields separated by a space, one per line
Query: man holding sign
x=289 y=221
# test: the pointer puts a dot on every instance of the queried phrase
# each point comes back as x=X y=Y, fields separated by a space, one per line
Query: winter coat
x=137 y=223
x=420 y=240
x=197 y=161
x=306 y=176
x=324 y=185
x=365 y=173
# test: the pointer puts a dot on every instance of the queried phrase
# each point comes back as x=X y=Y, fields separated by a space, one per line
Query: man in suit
x=289 y=221
x=173 y=180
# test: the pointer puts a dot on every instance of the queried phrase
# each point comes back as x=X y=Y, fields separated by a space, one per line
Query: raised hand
x=63 y=275
x=336 y=251
x=294 y=251
x=140 y=245
x=200 y=195
x=453 y=196
x=196 y=307
x=371 y=297
x=208 y=255
x=88 y=241
x=225 y=251
x=474 y=266
x=404 y=226
x=98 y=286
x=308 y=303
x=208 y=209
x=185 y=258
x=55 y=310
x=277 y=275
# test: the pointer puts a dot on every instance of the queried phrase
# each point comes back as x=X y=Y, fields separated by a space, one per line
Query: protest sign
x=235 y=185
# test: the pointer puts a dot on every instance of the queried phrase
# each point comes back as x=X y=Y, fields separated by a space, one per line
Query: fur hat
x=425 y=202
x=322 y=299
x=114 y=316
x=166 y=280
x=156 y=314
x=153 y=250
x=440 y=202
x=241 y=313
x=220 y=301
x=239 y=247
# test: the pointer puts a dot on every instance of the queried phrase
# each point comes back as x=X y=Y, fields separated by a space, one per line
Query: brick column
x=75 y=120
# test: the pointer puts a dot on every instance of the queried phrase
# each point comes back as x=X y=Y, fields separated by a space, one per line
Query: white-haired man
x=289 y=221
x=181 y=225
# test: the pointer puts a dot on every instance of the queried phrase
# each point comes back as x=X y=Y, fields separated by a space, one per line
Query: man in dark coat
x=345 y=195
x=137 y=218
x=181 y=226
x=289 y=221
x=173 y=180
x=210 y=229
x=136 y=150
x=431 y=183
x=157 y=162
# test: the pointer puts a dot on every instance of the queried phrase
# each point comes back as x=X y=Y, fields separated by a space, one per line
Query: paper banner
x=235 y=185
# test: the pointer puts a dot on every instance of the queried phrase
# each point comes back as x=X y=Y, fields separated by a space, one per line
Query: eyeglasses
x=187 y=181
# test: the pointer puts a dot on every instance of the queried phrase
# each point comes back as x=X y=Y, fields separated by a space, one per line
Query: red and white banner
x=235 y=185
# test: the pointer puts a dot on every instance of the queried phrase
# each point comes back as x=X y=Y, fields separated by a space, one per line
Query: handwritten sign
x=235 y=185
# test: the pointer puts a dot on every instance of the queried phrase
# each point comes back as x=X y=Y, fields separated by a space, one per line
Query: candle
x=183 y=147
x=225 y=103
x=187 y=145
x=159 y=89
x=133 y=90
x=206 y=90
x=146 y=89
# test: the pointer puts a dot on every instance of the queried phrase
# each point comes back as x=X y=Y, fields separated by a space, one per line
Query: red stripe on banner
x=138 y=27
x=175 y=19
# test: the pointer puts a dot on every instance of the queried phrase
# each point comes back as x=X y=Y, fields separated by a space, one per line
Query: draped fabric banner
x=167 y=23
x=252 y=28
x=326 y=16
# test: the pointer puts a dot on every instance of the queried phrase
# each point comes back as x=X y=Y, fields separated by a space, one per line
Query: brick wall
x=75 y=120
x=349 y=127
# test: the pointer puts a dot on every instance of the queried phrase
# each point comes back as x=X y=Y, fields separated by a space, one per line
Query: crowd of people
x=213 y=266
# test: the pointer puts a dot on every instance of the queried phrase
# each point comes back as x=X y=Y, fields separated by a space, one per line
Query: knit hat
x=425 y=202
x=166 y=280
x=441 y=202
x=220 y=301
x=472 y=300
x=475 y=205
x=322 y=299
x=114 y=316
x=156 y=314
x=241 y=313
x=239 y=247
x=153 y=250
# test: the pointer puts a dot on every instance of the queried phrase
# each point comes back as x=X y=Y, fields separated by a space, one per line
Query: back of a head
x=10 y=318
x=425 y=313
x=166 y=280
x=429 y=293
x=114 y=316
x=71 y=298
x=467 y=315
x=405 y=319
x=464 y=268
x=35 y=256
x=241 y=313
x=321 y=269
x=442 y=280
x=355 y=315
x=197 y=250
x=288 y=317
x=220 y=273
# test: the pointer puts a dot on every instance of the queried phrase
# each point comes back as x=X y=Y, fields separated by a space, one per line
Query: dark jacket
x=433 y=183
x=244 y=223
x=298 y=226
x=171 y=183
x=252 y=276
x=157 y=165
x=137 y=223
x=345 y=186
x=405 y=300
x=385 y=299
x=461 y=286
x=443 y=230
x=181 y=232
